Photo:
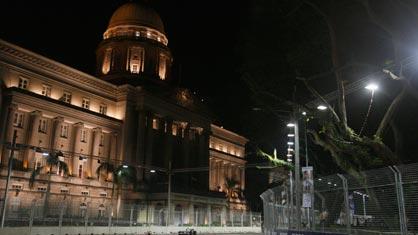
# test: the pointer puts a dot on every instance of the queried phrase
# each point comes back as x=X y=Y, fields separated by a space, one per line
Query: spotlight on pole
x=304 y=113
x=152 y=171
x=45 y=154
x=290 y=125
x=289 y=155
x=290 y=135
x=321 y=107
x=372 y=87
x=290 y=143
x=125 y=166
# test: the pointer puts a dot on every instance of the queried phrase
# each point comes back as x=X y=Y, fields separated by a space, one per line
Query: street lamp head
x=152 y=171
x=321 y=107
x=124 y=166
x=372 y=87
x=289 y=160
x=45 y=154
x=290 y=143
x=290 y=135
x=304 y=113
x=289 y=155
x=290 y=125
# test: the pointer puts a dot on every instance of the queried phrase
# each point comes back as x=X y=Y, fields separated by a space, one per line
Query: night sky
x=215 y=43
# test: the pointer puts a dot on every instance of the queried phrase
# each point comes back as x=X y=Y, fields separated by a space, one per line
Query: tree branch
x=390 y=112
x=317 y=95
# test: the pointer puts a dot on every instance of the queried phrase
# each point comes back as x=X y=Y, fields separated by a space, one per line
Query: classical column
x=56 y=132
x=168 y=143
x=242 y=178
x=31 y=137
x=149 y=141
x=77 y=127
x=7 y=133
x=209 y=215
x=140 y=143
x=218 y=173
x=94 y=151
x=191 y=214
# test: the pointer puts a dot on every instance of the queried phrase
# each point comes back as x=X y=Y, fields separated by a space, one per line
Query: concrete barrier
x=73 y=230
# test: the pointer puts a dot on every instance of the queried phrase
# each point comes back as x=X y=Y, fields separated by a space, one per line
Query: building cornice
x=27 y=59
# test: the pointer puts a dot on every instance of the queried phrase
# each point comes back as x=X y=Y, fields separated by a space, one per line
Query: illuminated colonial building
x=129 y=114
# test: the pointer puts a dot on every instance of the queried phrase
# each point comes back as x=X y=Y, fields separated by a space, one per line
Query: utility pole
x=297 y=174
x=9 y=172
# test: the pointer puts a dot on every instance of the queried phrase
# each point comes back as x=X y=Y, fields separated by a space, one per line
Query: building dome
x=137 y=15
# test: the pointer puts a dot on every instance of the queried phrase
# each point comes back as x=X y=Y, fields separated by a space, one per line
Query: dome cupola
x=134 y=47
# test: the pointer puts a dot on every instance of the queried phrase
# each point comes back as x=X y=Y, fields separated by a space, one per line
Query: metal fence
x=127 y=215
x=378 y=201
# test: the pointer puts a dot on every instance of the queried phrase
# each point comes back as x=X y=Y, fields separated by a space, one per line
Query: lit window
x=83 y=137
x=42 y=125
x=162 y=67
x=23 y=83
x=46 y=90
x=107 y=60
x=64 y=130
x=66 y=97
x=135 y=60
x=18 y=119
x=154 y=124
x=86 y=103
x=174 y=129
x=103 y=109
x=137 y=33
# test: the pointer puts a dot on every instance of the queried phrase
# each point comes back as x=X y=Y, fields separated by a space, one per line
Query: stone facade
x=132 y=117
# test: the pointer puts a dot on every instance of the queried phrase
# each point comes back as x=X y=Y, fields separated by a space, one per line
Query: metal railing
x=141 y=214
x=375 y=202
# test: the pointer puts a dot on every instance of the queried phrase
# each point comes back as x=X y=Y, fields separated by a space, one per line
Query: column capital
x=97 y=129
x=59 y=119
x=78 y=124
x=36 y=113
x=13 y=107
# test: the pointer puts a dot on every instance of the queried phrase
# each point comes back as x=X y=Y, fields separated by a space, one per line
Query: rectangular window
x=174 y=129
x=103 y=109
x=64 y=190
x=64 y=130
x=42 y=125
x=23 y=83
x=136 y=59
x=42 y=188
x=18 y=119
x=154 y=124
x=17 y=186
x=162 y=66
x=66 y=97
x=83 y=137
x=46 y=90
x=85 y=103
x=85 y=193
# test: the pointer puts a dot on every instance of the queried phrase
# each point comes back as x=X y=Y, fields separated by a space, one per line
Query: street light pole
x=9 y=172
x=297 y=175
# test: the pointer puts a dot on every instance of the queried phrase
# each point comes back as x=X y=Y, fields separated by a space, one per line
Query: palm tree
x=231 y=187
x=52 y=159
x=121 y=175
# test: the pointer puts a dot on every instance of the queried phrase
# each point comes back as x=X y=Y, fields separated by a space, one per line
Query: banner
x=307 y=190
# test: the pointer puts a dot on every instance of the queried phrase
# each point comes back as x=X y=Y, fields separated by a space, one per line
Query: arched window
x=107 y=60
x=102 y=210
x=135 y=62
x=162 y=66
